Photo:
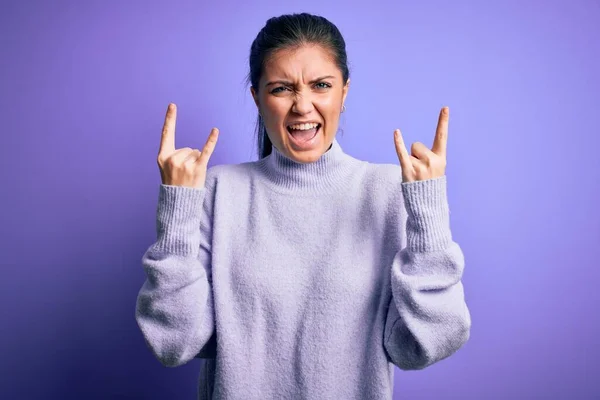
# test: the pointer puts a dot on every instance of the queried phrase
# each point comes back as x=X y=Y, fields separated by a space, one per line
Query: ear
x=345 y=91
x=254 y=96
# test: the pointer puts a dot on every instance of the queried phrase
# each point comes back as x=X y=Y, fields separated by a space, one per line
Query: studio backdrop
x=84 y=87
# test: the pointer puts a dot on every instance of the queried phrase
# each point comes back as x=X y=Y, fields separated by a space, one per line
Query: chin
x=307 y=158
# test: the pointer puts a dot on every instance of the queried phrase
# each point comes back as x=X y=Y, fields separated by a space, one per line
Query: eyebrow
x=288 y=83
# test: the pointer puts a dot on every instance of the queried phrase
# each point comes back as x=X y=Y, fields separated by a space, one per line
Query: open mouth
x=303 y=132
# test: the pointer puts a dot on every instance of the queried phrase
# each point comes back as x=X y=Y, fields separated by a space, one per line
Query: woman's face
x=300 y=97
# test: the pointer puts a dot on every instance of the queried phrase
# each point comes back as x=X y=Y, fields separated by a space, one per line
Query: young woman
x=307 y=274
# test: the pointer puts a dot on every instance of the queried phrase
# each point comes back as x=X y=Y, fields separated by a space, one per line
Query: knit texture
x=303 y=280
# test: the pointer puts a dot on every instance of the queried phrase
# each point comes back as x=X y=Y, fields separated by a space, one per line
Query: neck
x=284 y=174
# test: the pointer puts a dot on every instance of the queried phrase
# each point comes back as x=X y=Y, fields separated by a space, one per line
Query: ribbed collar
x=323 y=175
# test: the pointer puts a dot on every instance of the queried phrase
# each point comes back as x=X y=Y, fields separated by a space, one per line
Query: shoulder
x=383 y=188
x=229 y=174
x=382 y=176
x=231 y=178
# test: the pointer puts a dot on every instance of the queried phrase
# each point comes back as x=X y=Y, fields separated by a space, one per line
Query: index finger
x=167 y=141
x=441 y=133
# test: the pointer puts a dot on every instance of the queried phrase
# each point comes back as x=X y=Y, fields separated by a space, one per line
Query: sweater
x=303 y=280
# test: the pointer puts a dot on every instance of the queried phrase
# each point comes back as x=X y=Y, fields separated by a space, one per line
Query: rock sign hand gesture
x=185 y=166
x=423 y=163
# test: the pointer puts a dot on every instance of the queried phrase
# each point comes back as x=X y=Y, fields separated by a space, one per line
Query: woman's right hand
x=185 y=166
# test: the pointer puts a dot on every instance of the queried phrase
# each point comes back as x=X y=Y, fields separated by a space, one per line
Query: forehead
x=305 y=62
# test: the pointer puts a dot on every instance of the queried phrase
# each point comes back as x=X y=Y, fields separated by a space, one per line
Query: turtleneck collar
x=323 y=175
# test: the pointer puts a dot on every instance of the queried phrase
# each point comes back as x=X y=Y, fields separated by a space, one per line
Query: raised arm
x=428 y=319
x=174 y=307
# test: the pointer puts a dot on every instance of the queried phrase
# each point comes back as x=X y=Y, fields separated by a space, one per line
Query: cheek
x=276 y=109
x=329 y=108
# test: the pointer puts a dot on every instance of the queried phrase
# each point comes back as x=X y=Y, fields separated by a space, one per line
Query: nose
x=303 y=104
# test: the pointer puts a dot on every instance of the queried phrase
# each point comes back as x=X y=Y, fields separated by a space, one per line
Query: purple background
x=84 y=88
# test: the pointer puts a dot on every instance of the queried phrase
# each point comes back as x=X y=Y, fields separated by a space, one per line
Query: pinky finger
x=209 y=146
x=403 y=155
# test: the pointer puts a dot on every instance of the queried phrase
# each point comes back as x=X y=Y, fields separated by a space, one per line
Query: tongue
x=303 y=135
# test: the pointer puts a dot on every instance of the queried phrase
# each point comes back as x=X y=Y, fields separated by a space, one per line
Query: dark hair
x=290 y=31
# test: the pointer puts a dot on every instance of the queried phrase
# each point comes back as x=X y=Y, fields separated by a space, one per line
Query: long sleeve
x=428 y=319
x=174 y=307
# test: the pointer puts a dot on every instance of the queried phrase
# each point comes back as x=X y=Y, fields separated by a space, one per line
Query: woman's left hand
x=424 y=163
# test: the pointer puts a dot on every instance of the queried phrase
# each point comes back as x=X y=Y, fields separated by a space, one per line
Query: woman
x=307 y=274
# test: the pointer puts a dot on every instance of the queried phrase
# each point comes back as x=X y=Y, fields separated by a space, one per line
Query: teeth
x=303 y=127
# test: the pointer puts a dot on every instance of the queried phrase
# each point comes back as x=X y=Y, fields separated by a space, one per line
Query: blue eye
x=319 y=85
x=276 y=89
x=327 y=85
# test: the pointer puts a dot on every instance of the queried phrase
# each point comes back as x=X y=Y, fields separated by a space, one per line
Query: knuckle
x=163 y=159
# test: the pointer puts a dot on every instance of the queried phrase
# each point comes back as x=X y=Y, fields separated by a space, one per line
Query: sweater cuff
x=178 y=218
x=428 y=214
